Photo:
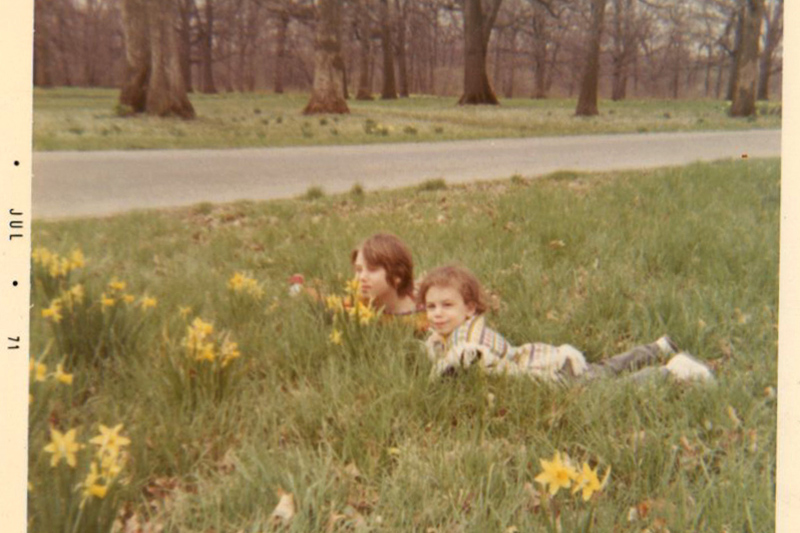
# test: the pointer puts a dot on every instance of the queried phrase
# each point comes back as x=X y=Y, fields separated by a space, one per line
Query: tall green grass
x=362 y=438
x=86 y=119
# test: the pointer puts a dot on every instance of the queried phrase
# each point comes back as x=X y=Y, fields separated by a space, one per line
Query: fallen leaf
x=285 y=510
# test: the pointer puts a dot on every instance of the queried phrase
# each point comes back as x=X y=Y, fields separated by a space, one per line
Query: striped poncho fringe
x=475 y=343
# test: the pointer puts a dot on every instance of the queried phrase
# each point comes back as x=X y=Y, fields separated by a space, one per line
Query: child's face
x=446 y=309
x=372 y=279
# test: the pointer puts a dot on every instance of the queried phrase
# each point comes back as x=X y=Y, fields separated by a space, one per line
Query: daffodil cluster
x=242 y=284
x=105 y=466
x=202 y=344
x=117 y=293
x=66 y=302
x=349 y=309
x=559 y=473
x=55 y=265
x=107 y=463
x=39 y=373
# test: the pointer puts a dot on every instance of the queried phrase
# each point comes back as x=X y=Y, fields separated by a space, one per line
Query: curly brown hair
x=389 y=252
x=460 y=279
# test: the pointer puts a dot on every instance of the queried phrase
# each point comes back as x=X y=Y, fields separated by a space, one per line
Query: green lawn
x=357 y=434
x=85 y=119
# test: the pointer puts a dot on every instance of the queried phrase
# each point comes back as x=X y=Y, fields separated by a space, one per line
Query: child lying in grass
x=385 y=273
x=454 y=302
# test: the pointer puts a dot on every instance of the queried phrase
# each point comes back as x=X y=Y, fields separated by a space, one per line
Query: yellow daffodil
x=556 y=474
x=58 y=267
x=112 y=464
x=128 y=298
x=148 y=302
x=77 y=293
x=205 y=352
x=77 y=260
x=352 y=287
x=117 y=285
x=336 y=337
x=203 y=329
x=41 y=255
x=110 y=440
x=195 y=340
x=92 y=486
x=235 y=283
x=106 y=301
x=241 y=283
x=229 y=352
x=63 y=445
x=363 y=313
x=54 y=311
x=40 y=371
x=184 y=311
x=588 y=482
x=334 y=303
x=61 y=376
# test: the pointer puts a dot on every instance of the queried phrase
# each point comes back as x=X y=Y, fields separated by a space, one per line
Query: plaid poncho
x=474 y=342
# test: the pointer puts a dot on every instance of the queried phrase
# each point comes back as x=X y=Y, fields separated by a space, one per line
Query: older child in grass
x=385 y=272
x=454 y=302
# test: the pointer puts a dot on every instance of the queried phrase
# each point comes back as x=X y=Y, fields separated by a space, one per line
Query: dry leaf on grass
x=285 y=510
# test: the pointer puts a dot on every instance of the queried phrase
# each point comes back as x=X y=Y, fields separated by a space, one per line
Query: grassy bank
x=356 y=434
x=85 y=119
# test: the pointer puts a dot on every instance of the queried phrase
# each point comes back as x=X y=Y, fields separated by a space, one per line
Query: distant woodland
x=480 y=50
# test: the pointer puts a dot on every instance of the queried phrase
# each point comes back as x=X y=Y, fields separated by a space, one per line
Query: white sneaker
x=684 y=367
x=666 y=345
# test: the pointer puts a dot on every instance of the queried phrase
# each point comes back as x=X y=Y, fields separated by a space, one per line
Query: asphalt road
x=73 y=184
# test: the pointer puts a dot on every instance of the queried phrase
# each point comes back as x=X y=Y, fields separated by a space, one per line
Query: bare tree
x=625 y=37
x=389 y=90
x=363 y=34
x=744 y=95
x=206 y=36
x=327 y=95
x=154 y=82
x=540 y=33
x=587 y=100
x=478 y=23
x=772 y=41
x=400 y=46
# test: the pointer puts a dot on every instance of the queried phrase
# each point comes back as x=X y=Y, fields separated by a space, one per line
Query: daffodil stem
x=587 y=525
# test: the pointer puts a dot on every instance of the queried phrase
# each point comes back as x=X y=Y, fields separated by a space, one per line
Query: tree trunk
x=137 y=55
x=508 y=89
x=402 y=66
x=744 y=98
x=280 y=53
x=389 y=90
x=206 y=50
x=733 y=79
x=774 y=34
x=363 y=32
x=327 y=95
x=477 y=31
x=154 y=82
x=185 y=47
x=587 y=100
x=624 y=47
x=166 y=94
x=42 y=74
x=90 y=44
x=539 y=50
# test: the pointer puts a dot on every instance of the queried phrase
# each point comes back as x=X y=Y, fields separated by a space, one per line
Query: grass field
x=357 y=435
x=85 y=119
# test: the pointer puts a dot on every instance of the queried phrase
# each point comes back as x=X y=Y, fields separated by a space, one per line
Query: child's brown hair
x=460 y=279
x=389 y=252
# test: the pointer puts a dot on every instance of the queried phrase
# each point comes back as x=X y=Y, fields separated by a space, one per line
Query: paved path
x=68 y=184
